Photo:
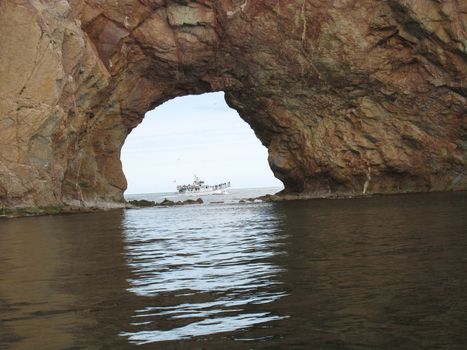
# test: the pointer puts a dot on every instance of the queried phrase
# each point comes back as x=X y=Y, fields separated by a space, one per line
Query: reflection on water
x=378 y=273
x=61 y=279
x=206 y=264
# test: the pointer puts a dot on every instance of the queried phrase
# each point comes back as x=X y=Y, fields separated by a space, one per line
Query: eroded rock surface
x=349 y=97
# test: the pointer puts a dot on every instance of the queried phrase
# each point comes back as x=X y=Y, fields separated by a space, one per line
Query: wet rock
x=270 y=198
x=142 y=203
x=6 y=213
x=192 y=201
x=350 y=98
x=248 y=200
x=167 y=202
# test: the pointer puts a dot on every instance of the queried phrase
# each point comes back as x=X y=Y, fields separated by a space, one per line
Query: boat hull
x=203 y=192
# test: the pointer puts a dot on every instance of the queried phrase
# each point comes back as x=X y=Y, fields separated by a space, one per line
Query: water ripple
x=217 y=264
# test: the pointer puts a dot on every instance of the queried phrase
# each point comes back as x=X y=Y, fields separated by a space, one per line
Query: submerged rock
x=349 y=97
x=249 y=200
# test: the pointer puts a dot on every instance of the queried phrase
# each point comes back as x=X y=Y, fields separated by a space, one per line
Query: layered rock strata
x=350 y=97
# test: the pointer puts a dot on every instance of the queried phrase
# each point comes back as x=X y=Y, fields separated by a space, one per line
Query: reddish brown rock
x=350 y=97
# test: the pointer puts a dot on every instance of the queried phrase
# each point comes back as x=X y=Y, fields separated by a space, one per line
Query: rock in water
x=142 y=203
x=168 y=202
x=349 y=97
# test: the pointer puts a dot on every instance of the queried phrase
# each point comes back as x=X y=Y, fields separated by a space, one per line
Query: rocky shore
x=143 y=203
x=68 y=209
x=6 y=213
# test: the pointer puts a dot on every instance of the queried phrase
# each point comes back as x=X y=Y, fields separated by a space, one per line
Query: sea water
x=372 y=273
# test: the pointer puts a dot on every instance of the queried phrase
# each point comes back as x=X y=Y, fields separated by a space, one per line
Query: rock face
x=349 y=96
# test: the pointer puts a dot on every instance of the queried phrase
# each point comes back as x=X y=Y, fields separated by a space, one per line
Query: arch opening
x=194 y=135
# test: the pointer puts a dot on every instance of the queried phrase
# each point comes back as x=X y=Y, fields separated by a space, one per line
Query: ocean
x=233 y=195
x=386 y=272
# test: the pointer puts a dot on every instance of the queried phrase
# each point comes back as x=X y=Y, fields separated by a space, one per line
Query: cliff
x=350 y=97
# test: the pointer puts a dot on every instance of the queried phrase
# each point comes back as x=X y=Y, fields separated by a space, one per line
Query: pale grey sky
x=194 y=135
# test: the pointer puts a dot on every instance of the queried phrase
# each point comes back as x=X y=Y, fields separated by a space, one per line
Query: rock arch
x=349 y=97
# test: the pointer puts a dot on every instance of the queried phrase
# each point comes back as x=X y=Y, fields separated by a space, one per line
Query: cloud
x=194 y=134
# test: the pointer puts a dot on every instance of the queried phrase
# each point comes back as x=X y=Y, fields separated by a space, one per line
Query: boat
x=198 y=187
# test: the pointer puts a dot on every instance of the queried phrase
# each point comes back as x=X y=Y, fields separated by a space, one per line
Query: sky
x=194 y=135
